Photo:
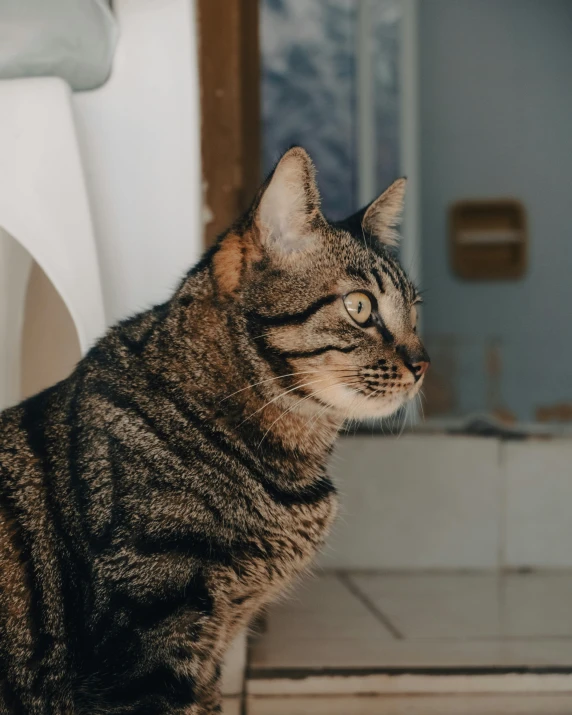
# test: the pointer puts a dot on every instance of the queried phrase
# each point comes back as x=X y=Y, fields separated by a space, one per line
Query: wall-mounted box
x=488 y=239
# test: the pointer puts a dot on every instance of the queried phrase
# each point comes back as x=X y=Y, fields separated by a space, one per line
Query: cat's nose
x=416 y=360
x=420 y=368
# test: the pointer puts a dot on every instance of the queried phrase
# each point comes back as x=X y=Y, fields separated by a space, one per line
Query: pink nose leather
x=421 y=368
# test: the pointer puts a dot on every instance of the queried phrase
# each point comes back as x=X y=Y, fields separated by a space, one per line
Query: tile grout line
x=346 y=581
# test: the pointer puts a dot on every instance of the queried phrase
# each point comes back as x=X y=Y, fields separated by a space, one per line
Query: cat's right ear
x=285 y=221
x=288 y=211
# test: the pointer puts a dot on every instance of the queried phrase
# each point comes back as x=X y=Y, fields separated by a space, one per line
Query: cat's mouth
x=369 y=398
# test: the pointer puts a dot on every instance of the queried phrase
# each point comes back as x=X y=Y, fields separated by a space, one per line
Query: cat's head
x=326 y=304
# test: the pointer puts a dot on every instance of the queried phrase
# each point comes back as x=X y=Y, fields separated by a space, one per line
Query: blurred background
x=132 y=133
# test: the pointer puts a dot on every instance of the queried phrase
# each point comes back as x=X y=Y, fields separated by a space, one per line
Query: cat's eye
x=358 y=306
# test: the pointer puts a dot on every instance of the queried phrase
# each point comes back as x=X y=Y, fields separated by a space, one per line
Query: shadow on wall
x=39 y=344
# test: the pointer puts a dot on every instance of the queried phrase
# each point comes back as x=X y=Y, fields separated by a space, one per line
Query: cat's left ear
x=384 y=214
x=289 y=208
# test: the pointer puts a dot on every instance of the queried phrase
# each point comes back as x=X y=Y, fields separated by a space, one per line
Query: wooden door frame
x=229 y=66
x=229 y=71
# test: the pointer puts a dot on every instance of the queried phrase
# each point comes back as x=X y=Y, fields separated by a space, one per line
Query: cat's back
x=20 y=454
x=21 y=429
x=31 y=622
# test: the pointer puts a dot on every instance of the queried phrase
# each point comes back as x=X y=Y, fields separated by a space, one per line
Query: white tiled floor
x=322 y=605
x=370 y=621
x=473 y=606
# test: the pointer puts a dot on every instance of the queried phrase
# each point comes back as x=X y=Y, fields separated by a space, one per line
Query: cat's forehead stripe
x=358 y=273
x=379 y=281
x=389 y=267
x=297 y=318
x=397 y=277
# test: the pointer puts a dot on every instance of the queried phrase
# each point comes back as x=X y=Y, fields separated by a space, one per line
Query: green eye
x=358 y=306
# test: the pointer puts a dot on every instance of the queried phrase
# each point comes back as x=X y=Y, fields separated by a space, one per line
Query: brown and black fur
x=151 y=503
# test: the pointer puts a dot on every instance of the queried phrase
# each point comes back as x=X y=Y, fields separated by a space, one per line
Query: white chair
x=140 y=141
x=44 y=209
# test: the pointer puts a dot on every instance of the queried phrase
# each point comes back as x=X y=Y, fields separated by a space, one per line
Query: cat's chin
x=378 y=408
x=349 y=404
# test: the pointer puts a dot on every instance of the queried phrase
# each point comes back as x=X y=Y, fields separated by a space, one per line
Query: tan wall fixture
x=488 y=239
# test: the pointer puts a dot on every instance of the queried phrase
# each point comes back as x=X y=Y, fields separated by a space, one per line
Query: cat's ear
x=384 y=214
x=289 y=207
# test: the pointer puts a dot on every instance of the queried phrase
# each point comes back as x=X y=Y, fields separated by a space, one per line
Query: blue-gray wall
x=496 y=120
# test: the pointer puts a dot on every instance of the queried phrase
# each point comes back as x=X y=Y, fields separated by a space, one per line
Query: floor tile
x=436 y=606
x=322 y=608
x=473 y=605
x=537 y=605
x=445 y=621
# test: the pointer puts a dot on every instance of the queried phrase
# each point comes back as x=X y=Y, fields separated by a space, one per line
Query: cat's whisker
x=374 y=394
x=262 y=335
x=364 y=238
x=286 y=411
x=402 y=411
x=350 y=419
x=326 y=407
x=396 y=423
x=282 y=394
x=270 y=379
x=293 y=407
x=317 y=416
x=337 y=369
x=321 y=412
x=389 y=421
x=420 y=396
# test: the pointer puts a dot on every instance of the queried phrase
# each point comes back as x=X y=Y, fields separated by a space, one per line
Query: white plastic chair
x=43 y=208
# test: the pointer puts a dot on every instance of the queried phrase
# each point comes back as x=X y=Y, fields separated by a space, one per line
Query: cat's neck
x=205 y=353
x=292 y=423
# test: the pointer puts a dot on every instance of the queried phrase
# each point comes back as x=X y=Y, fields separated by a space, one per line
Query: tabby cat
x=152 y=502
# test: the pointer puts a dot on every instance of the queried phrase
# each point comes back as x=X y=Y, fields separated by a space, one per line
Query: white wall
x=496 y=118
x=451 y=502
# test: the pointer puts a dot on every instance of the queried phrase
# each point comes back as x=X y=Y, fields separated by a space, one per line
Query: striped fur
x=151 y=503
